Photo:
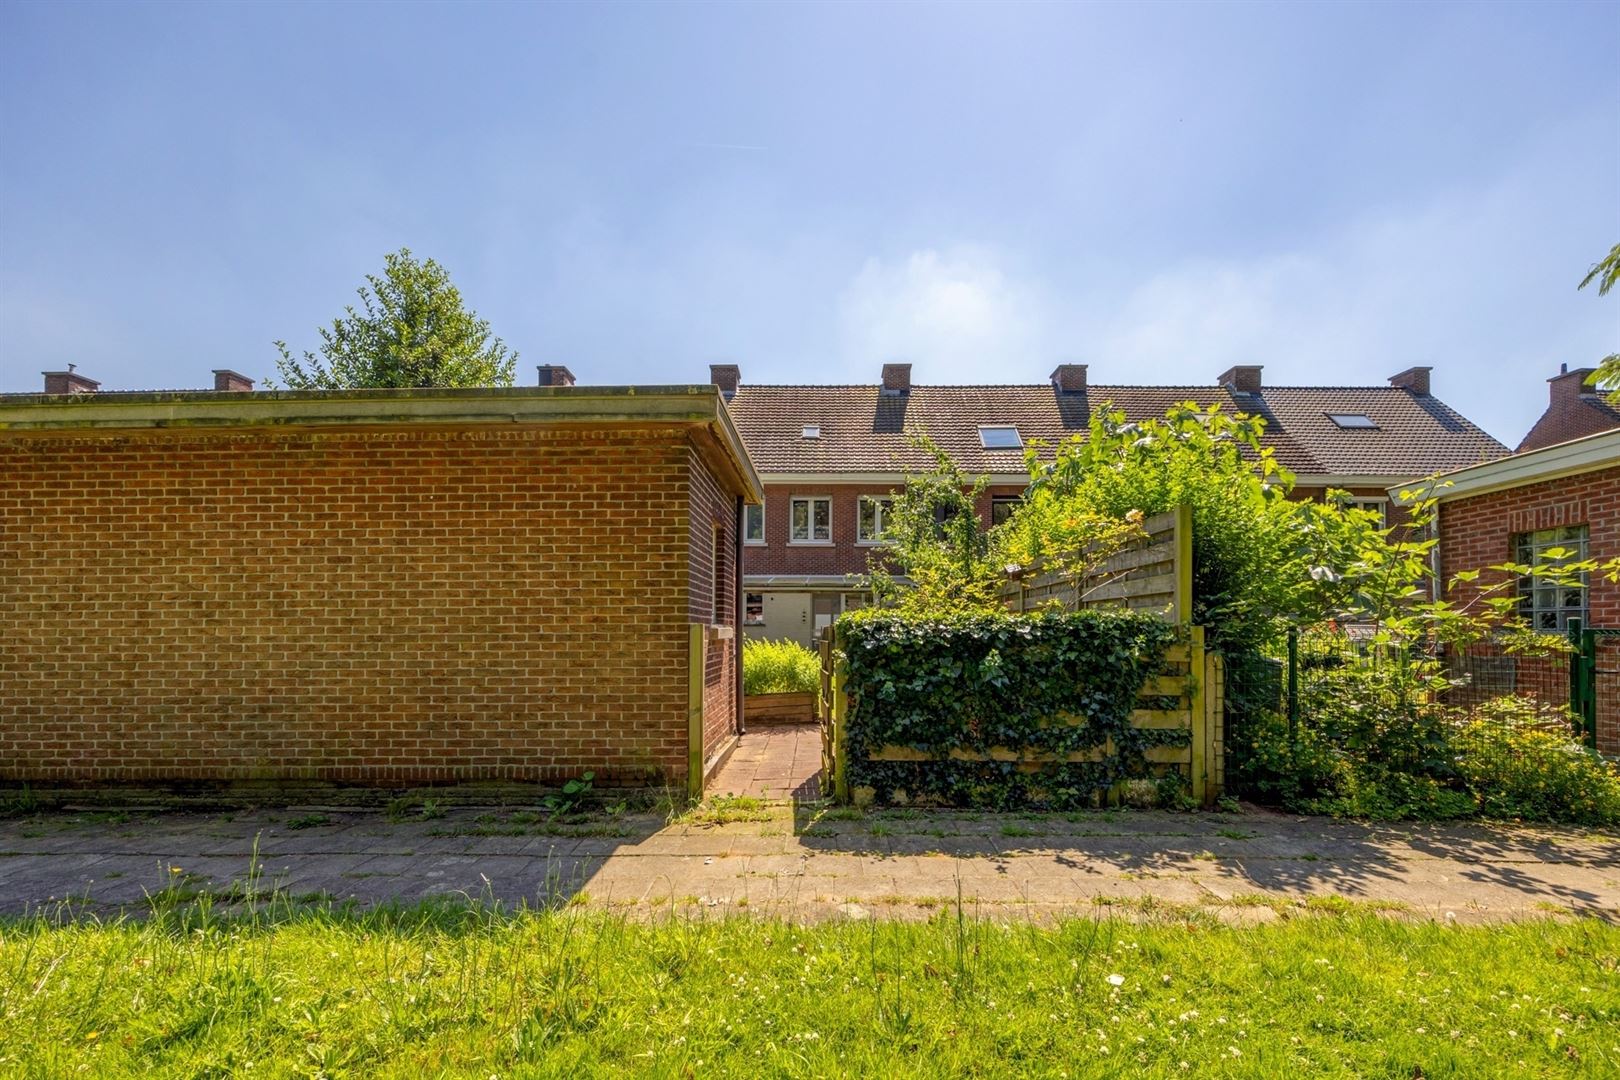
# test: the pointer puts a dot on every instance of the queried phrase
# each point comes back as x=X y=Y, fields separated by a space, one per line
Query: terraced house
x=831 y=457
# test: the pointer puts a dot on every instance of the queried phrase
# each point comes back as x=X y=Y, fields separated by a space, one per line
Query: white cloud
x=956 y=312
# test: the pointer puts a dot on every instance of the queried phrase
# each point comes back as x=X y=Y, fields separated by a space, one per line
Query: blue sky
x=1160 y=191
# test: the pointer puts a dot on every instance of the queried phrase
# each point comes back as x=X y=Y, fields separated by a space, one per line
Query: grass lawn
x=452 y=991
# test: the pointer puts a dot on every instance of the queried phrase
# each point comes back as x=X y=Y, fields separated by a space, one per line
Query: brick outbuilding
x=385 y=587
x=1512 y=510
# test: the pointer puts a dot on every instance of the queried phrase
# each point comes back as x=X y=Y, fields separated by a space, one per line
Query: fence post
x=1198 y=715
x=1184 y=564
x=697 y=637
x=840 y=715
x=1293 y=684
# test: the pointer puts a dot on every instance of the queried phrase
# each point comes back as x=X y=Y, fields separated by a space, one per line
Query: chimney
x=1242 y=379
x=726 y=377
x=1415 y=379
x=69 y=382
x=229 y=381
x=1070 y=378
x=896 y=379
x=555 y=375
x=1568 y=385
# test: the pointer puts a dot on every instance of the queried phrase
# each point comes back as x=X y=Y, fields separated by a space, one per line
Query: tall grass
x=780 y=667
x=467 y=989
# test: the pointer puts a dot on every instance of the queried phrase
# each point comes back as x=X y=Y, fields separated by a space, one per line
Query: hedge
x=976 y=682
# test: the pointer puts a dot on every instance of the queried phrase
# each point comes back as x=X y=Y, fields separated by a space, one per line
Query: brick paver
x=780 y=761
x=808 y=861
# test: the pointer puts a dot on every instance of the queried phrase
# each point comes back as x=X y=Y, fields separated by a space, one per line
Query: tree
x=412 y=331
x=1606 y=272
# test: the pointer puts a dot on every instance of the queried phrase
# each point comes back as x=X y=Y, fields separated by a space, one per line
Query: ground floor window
x=753 y=609
x=1545 y=606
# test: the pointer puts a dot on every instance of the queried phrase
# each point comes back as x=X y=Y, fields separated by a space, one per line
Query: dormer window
x=1352 y=420
x=1000 y=437
x=811 y=431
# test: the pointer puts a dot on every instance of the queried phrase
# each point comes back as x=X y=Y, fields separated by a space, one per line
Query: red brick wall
x=1477 y=532
x=407 y=606
x=844 y=555
x=714 y=598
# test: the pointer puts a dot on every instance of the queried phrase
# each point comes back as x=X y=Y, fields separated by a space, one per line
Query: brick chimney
x=897 y=379
x=1242 y=379
x=555 y=375
x=69 y=382
x=726 y=377
x=232 y=382
x=1069 y=378
x=1569 y=385
x=1415 y=379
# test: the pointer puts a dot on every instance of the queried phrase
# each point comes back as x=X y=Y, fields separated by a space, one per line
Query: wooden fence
x=1154 y=575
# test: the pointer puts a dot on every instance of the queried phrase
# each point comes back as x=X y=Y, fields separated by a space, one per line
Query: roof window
x=1000 y=437
x=1351 y=420
x=811 y=431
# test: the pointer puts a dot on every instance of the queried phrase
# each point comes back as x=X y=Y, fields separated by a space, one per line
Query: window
x=1002 y=507
x=1544 y=605
x=811 y=431
x=1351 y=420
x=872 y=517
x=810 y=521
x=754 y=524
x=1000 y=437
x=753 y=609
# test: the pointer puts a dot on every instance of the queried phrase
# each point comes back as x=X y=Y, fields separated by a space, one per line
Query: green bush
x=1522 y=763
x=1509 y=759
x=975 y=682
x=780 y=667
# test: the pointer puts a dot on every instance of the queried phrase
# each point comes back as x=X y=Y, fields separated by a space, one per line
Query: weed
x=308 y=821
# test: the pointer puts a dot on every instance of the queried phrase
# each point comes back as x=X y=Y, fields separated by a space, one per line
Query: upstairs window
x=810 y=520
x=872 y=518
x=1375 y=506
x=1000 y=437
x=1545 y=606
x=754 y=524
x=1352 y=420
x=1002 y=508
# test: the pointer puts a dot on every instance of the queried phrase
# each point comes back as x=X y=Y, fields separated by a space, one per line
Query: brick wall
x=845 y=555
x=1478 y=531
x=398 y=606
x=713 y=601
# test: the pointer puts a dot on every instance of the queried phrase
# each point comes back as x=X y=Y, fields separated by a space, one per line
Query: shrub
x=1520 y=760
x=780 y=667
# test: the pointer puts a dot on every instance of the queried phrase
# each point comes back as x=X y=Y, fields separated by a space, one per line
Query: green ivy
x=975 y=682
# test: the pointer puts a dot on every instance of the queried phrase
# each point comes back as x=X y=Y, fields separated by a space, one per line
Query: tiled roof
x=865 y=431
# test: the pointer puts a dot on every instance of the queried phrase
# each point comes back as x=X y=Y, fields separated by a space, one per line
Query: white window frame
x=1338 y=419
x=748 y=540
x=1017 y=435
x=884 y=504
x=811 y=540
x=1526 y=548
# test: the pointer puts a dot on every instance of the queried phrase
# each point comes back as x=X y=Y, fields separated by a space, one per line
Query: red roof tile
x=865 y=431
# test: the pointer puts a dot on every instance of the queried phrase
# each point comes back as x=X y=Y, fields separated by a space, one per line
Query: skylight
x=1352 y=420
x=1000 y=437
x=811 y=431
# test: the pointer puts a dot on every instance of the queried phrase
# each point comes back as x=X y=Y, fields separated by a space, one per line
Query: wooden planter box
x=779 y=709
